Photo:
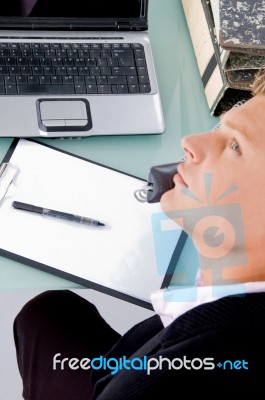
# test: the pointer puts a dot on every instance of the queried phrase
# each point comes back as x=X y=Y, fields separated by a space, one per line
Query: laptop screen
x=77 y=9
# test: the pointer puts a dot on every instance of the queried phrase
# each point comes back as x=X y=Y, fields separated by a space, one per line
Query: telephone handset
x=159 y=181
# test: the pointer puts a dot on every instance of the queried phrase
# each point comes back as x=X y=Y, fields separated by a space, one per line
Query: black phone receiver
x=160 y=180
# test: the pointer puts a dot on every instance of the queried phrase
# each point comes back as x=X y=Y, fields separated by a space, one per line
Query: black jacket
x=231 y=329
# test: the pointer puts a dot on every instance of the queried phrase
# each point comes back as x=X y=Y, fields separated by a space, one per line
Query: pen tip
x=101 y=224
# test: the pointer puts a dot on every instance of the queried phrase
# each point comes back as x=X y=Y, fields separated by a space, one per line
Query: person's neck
x=231 y=275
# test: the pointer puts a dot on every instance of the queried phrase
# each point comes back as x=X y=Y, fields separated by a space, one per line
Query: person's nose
x=196 y=146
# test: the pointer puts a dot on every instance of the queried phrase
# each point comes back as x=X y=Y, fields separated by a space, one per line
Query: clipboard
x=135 y=254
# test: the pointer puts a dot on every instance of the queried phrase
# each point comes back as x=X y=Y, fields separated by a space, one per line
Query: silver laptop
x=75 y=69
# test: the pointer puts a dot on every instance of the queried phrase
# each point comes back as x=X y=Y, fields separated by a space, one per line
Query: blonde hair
x=258 y=86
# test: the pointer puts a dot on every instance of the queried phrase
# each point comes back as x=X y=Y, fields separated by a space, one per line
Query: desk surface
x=185 y=111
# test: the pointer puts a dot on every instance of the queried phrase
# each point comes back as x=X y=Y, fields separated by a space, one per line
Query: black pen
x=56 y=214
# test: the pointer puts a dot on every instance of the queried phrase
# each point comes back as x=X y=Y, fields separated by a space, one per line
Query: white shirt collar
x=170 y=303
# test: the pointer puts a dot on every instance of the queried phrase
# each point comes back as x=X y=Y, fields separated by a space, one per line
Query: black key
x=14 y=70
x=123 y=71
x=122 y=89
x=104 y=89
x=11 y=89
x=80 y=89
x=68 y=80
x=79 y=80
x=142 y=71
x=33 y=80
x=113 y=62
x=145 y=88
x=102 y=80
x=2 y=89
x=38 y=53
x=102 y=62
x=133 y=88
x=2 y=61
x=55 y=46
x=56 y=80
x=22 y=80
x=34 y=45
x=44 y=80
x=66 y=45
x=90 y=62
x=139 y=53
x=1 y=80
x=50 y=53
x=84 y=53
x=44 y=45
x=24 y=45
x=26 y=70
x=90 y=80
x=117 y=80
x=76 y=46
x=49 y=70
x=116 y=46
x=122 y=53
x=4 y=52
x=37 y=70
x=72 y=53
x=105 y=54
x=72 y=71
x=10 y=80
x=79 y=62
x=61 y=53
x=11 y=61
x=33 y=62
x=4 y=71
x=91 y=89
x=68 y=62
x=94 y=53
x=13 y=45
x=143 y=79
x=45 y=62
x=137 y=46
x=105 y=70
x=15 y=53
x=126 y=62
x=95 y=46
x=132 y=80
x=46 y=89
x=26 y=52
x=57 y=61
x=60 y=70
x=140 y=62
x=106 y=46
x=83 y=71
x=94 y=71
x=22 y=61
x=114 y=89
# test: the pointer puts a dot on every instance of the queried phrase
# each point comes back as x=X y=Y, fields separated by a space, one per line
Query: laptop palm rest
x=63 y=115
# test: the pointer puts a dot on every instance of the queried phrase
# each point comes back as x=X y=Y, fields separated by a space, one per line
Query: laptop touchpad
x=64 y=114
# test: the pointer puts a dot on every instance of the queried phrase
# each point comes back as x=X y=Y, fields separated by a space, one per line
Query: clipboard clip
x=8 y=173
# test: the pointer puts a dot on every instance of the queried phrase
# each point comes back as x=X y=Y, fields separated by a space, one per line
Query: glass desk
x=185 y=111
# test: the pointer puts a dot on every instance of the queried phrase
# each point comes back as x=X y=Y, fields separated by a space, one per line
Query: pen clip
x=8 y=173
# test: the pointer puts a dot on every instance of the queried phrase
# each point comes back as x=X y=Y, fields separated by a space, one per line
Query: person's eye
x=235 y=146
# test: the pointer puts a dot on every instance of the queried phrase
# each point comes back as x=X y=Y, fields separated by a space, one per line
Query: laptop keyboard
x=76 y=68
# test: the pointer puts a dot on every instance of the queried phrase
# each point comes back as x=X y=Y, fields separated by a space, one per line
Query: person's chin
x=168 y=201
